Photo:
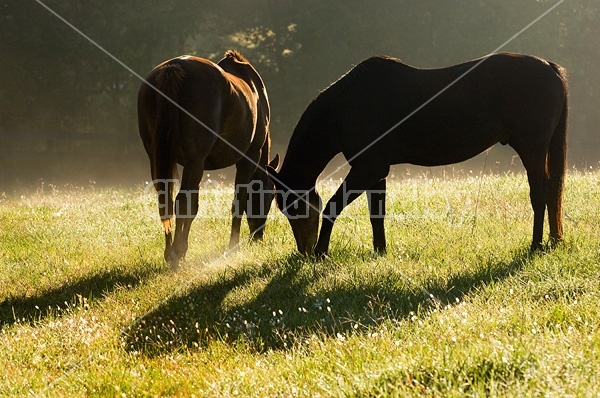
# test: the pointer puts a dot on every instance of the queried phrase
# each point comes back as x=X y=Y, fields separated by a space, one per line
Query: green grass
x=457 y=307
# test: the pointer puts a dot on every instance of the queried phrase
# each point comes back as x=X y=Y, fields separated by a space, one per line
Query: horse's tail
x=168 y=81
x=557 y=164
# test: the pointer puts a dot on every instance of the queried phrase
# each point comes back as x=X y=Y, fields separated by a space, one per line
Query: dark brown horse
x=205 y=116
x=383 y=112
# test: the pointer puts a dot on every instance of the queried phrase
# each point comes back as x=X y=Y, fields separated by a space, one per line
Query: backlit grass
x=457 y=307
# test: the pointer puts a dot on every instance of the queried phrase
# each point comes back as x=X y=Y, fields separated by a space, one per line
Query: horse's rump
x=202 y=116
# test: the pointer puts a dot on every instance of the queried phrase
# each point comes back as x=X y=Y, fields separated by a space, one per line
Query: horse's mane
x=235 y=55
x=351 y=75
x=336 y=90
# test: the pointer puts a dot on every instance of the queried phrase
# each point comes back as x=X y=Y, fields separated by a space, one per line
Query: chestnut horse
x=205 y=116
x=383 y=112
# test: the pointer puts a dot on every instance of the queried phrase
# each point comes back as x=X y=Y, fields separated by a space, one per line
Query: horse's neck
x=304 y=161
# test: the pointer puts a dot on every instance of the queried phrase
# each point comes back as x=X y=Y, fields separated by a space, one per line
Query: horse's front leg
x=245 y=168
x=376 y=202
x=237 y=211
x=358 y=180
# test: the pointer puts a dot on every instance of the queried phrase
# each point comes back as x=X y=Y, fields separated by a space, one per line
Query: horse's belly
x=444 y=158
x=223 y=156
x=436 y=150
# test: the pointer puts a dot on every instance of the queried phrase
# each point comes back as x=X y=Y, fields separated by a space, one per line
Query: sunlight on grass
x=456 y=307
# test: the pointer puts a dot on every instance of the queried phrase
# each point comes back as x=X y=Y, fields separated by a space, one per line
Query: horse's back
x=218 y=108
x=197 y=81
x=388 y=84
x=202 y=79
x=388 y=110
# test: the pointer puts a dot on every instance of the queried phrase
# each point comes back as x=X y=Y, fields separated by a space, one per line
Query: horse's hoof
x=229 y=251
x=536 y=247
x=320 y=254
x=554 y=242
x=173 y=260
x=380 y=251
x=379 y=245
x=256 y=238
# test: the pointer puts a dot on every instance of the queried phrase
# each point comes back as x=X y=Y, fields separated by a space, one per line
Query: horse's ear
x=274 y=164
x=273 y=175
x=271 y=171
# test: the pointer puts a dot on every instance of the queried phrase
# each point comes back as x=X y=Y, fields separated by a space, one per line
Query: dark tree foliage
x=59 y=92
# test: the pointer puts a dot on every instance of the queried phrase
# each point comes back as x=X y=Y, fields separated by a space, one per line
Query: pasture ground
x=457 y=307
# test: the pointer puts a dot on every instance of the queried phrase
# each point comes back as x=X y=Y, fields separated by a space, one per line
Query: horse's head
x=260 y=197
x=302 y=209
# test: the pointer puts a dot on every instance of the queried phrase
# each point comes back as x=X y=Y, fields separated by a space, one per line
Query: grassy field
x=457 y=307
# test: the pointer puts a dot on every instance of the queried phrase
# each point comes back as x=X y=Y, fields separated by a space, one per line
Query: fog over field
x=68 y=110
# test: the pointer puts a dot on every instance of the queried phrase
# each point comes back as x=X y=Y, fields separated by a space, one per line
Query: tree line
x=54 y=83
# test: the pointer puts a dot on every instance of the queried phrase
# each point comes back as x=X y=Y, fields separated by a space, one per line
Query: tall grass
x=457 y=307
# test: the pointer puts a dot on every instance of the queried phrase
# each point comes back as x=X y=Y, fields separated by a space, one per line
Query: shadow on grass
x=270 y=307
x=71 y=295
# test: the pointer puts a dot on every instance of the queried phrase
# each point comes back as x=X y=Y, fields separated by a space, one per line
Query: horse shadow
x=70 y=296
x=288 y=311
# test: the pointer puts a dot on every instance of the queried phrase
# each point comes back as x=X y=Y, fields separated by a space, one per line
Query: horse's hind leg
x=536 y=175
x=376 y=201
x=186 y=209
x=163 y=191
